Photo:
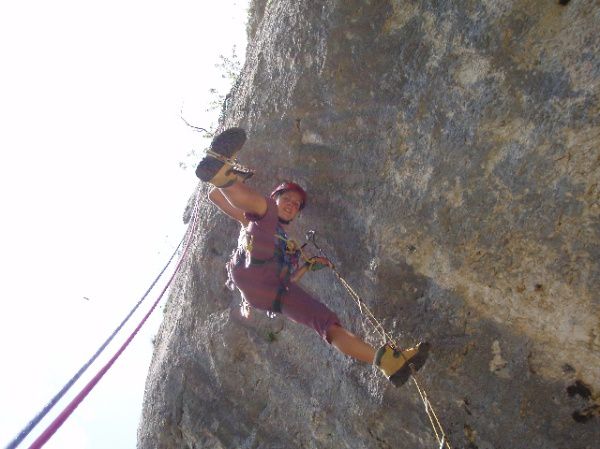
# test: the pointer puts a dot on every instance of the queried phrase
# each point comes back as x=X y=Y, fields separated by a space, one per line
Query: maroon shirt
x=260 y=281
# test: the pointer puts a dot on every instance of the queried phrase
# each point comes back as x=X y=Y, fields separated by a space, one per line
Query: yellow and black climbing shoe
x=217 y=167
x=220 y=174
x=229 y=142
x=396 y=365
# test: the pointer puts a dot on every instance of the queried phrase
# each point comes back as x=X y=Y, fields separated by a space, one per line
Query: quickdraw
x=292 y=246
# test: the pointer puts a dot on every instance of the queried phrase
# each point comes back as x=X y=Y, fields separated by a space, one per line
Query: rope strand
x=70 y=408
x=435 y=423
x=387 y=339
x=35 y=421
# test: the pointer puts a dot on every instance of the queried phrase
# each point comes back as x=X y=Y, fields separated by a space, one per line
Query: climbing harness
x=438 y=430
x=286 y=254
x=70 y=408
x=276 y=307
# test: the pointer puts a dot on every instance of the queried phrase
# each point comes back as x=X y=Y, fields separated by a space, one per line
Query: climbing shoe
x=218 y=166
x=396 y=365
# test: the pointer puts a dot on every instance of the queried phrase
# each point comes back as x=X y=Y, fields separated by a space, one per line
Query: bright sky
x=92 y=193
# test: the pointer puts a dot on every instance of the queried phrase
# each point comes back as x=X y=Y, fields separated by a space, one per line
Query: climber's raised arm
x=312 y=264
x=219 y=200
x=245 y=198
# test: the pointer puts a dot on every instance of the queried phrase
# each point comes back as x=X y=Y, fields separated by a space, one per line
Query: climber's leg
x=303 y=308
x=395 y=365
x=349 y=344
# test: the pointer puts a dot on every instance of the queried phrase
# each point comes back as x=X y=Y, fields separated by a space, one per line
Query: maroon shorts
x=301 y=307
x=259 y=285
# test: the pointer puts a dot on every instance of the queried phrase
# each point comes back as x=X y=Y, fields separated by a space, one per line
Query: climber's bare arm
x=219 y=200
x=244 y=197
x=314 y=263
x=299 y=273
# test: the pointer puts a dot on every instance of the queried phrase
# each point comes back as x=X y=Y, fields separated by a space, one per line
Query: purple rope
x=70 y=408
x=35 y=421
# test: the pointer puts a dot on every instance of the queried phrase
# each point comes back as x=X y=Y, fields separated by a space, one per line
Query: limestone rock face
x=451 y=153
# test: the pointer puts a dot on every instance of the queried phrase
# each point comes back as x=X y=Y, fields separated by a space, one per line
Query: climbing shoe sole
x=227 y=144
x=208 y=168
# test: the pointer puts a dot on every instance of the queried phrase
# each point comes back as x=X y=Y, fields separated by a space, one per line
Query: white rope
x=433 y=419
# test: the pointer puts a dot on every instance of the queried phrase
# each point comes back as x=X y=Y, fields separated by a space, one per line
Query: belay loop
x=438 y=430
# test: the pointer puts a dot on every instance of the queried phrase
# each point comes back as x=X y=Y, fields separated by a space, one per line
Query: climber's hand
x=318 y=262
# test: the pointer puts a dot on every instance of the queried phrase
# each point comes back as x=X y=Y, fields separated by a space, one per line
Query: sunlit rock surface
x=451 y=151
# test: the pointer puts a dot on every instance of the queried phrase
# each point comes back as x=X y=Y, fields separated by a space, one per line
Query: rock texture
x=451 y=151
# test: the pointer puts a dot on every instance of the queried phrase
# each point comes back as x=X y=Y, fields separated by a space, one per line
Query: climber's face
x=288 y=205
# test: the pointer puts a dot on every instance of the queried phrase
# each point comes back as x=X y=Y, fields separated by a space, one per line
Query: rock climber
x=267 y=264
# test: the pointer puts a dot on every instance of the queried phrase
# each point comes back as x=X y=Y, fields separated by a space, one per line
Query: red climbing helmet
x=286 y=187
